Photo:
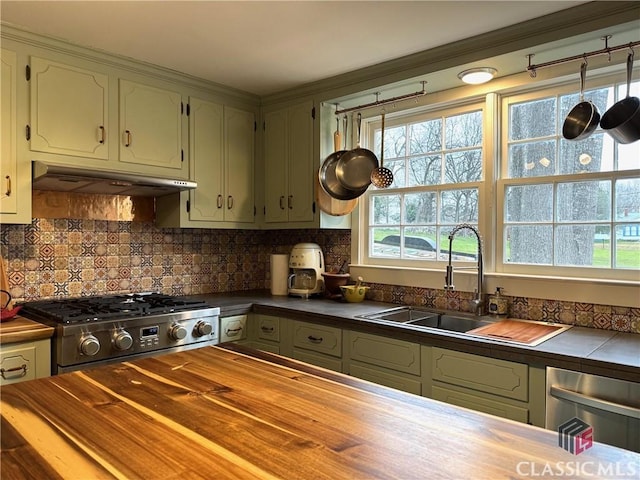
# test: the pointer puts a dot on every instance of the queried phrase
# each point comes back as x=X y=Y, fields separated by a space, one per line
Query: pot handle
x=629 y=70
x=8 y=299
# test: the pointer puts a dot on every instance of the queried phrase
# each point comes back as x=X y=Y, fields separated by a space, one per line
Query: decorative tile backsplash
x=70 y=258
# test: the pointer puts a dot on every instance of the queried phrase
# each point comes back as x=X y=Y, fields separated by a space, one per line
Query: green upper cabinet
x=150 y=126
x=69 y=110
x=239 y=163
x=15 y=170
x=289 y=165
x=206 y=132
x=221 y=161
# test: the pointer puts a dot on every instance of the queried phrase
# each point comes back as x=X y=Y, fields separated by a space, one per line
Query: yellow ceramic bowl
x=354 y=294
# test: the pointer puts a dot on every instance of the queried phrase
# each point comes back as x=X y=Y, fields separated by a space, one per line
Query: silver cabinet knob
x=89 y=345
x=203 y=328
x=122 y=340
x=177 y=332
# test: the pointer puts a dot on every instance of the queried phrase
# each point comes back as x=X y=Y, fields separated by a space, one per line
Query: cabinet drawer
x=268 y=328
x=499 y=377
x=385 y=352
x=233 y=328
x=388 y=379
x=319 y=338
x=480 y=404
x=25 y=361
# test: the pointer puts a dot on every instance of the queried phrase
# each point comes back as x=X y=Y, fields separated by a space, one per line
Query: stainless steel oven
x=97 y=330
x=610 y=406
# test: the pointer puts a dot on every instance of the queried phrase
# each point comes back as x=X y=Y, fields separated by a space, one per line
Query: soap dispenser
x=498 y=304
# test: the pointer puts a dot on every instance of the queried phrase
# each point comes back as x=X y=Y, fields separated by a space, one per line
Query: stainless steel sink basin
x=464 y=323
x=403 y=315
x=451 y=323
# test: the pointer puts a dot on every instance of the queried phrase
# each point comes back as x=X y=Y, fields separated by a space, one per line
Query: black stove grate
x=88 y=309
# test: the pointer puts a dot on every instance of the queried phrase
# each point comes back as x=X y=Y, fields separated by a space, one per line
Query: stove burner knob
x=177 y=332
x=122 y=340
x=203 y=328
x=89 y=345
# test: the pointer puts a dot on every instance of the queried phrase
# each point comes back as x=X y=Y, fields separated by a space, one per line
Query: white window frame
x=424 y=115
x=503 y=183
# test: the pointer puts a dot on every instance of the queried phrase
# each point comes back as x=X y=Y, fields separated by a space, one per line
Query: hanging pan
x=328 y=179
x=622 y=120
x=354 y=167
x=584 y=117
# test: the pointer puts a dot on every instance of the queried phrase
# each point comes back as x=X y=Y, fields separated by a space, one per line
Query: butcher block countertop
x=20 y=329
x=232 y=412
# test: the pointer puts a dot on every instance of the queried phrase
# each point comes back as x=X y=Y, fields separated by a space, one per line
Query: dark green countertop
x=589 y=350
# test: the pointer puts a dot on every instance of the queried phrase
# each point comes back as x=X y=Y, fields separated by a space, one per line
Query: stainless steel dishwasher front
x=611 y=407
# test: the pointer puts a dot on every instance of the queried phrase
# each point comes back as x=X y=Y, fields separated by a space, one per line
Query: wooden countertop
x=20 y=329
x=218 y=413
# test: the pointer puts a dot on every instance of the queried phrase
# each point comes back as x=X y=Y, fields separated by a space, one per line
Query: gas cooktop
x=88 y=309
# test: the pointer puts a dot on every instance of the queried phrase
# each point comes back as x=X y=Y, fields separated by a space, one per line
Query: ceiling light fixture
x=476 y=76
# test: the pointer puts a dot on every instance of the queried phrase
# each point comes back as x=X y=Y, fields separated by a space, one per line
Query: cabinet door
x=68 y=110
x=206 y=120
x=150 y=126
x=301 y=164
x=275 y=160
x=491 y=375
x=385 y=352
x=8 y=158
x=239 y=128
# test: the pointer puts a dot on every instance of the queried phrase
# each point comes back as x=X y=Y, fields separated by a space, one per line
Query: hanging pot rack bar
x=605 y=51
x=378 y=103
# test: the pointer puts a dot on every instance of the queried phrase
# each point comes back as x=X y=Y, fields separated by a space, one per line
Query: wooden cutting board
x=515 y=330
x=330 y=205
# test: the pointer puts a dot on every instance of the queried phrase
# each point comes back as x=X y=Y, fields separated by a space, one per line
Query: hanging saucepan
x=354 y=167
x=327 y=174
x=622 y=120
x=584 y=117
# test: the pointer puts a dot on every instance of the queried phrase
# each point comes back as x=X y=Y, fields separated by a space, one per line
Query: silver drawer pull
x=626 y=410
x=314 y=339
x=233 y=331
x=267 y=329
x=15 y=372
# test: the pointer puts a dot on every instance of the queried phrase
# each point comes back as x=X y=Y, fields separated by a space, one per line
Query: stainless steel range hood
x=63 y=178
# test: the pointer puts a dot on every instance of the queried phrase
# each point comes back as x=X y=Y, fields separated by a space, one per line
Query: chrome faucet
x=477 y=303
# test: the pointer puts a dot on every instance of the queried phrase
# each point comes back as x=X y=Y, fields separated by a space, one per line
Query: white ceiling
x=264 y=47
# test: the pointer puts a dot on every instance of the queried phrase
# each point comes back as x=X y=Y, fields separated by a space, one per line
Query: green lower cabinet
x=383 y=360
x=499 y=387
x=268 y=333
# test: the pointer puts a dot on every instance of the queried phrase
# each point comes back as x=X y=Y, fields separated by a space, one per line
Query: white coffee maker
x=306 y=263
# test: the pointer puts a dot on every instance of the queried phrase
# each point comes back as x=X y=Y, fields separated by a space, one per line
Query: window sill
x=584 y=290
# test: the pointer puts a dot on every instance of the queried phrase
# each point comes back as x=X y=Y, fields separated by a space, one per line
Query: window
x=567 y=204
x=437 y=163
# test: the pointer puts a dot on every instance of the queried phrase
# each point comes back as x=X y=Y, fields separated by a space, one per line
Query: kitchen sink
x=521 y=332
x=403 y=315
x=451 y=323
x=422 y=317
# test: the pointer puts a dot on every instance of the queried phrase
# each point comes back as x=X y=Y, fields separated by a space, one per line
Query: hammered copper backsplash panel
x=70 y=258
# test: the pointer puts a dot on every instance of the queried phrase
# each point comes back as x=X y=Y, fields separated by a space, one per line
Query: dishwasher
x=611 y=407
